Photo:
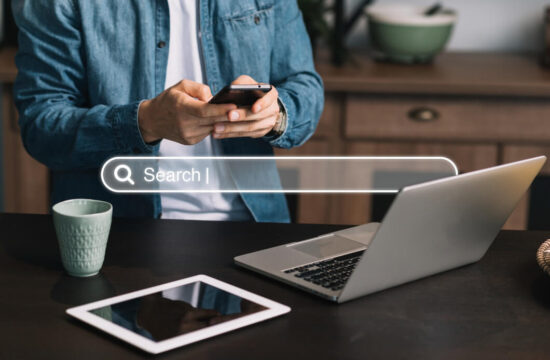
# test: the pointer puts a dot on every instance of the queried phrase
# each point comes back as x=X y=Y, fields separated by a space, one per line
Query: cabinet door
x=26 y=181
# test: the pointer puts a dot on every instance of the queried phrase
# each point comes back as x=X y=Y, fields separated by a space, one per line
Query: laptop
x=429 y=228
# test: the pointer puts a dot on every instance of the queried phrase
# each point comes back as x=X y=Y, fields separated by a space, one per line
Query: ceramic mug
x=82 y=227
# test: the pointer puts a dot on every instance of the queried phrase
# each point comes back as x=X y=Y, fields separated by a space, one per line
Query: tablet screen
x=177 y=311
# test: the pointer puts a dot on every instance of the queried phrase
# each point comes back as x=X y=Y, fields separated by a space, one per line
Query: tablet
x=178 y=313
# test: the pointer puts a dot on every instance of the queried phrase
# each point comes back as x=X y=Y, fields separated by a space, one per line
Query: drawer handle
x=423 y=114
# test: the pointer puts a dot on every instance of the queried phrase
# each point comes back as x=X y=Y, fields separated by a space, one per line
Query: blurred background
x=466 y=79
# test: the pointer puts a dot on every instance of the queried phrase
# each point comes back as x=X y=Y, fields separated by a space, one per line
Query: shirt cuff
x=273 y=140
x=124 y=120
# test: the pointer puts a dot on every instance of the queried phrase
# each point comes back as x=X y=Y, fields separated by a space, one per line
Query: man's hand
x=254 y=122
x=182 y=114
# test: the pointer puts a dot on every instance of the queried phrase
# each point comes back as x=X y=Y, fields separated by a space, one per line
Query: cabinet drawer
x=448 y=118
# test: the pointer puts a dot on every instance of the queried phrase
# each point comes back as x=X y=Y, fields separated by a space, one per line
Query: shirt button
x=256 y=19
x=161 y=44
x=136 y=150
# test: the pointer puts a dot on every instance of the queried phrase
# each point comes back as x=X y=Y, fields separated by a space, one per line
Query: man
x=125 y=77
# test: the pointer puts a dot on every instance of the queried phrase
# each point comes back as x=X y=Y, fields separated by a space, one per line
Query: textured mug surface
x=82 y=227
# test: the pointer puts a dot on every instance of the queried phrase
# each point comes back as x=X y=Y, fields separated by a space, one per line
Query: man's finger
x=245 y=114
x=252 y=134
x=266 y=101
x=245 y=126
x=186 y=136
x=204 y=121
x=194 y=140
x=244 y=80
x=195 y=89
x=201 y=109
x=197 y=136
x=201 y=131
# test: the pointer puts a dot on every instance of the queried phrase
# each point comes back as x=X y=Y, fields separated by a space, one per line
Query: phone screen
x=240 y=95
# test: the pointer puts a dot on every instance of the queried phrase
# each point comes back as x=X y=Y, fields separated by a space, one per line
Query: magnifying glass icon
x=127 y=178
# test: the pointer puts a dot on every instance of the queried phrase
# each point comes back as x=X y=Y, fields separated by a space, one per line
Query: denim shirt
x=85 y=66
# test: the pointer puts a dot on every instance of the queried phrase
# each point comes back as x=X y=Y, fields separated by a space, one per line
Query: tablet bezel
x=83 y=313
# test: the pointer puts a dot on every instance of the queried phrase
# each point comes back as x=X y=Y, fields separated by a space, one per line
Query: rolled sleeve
x=124 y=120
x=59 y=126
x=293 y=73
x=278 y=141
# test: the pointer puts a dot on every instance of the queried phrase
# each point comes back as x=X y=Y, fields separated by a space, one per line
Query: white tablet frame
x=83 y=313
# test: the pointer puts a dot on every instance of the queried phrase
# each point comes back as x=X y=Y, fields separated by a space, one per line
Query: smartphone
x=240 y=95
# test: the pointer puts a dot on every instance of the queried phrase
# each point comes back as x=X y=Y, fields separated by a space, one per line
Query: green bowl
x=401 y=33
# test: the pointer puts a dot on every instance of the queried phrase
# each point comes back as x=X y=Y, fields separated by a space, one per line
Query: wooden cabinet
x=356 y=208
x=468 y=157
x=479 y=110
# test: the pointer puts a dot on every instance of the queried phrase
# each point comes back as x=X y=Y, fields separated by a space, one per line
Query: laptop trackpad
x=327 y=246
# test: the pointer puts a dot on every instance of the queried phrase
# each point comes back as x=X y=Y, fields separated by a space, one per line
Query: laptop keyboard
x=331 y=274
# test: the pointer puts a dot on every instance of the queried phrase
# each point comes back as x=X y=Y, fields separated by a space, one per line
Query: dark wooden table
x=497 y=308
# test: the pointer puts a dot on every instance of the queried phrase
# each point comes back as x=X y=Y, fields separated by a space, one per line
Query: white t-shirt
x=184 y=62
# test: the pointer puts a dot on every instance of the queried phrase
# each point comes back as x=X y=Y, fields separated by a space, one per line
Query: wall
x=483 y=25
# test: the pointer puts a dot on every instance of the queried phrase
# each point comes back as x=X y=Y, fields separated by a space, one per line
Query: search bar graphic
x=258 y=174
